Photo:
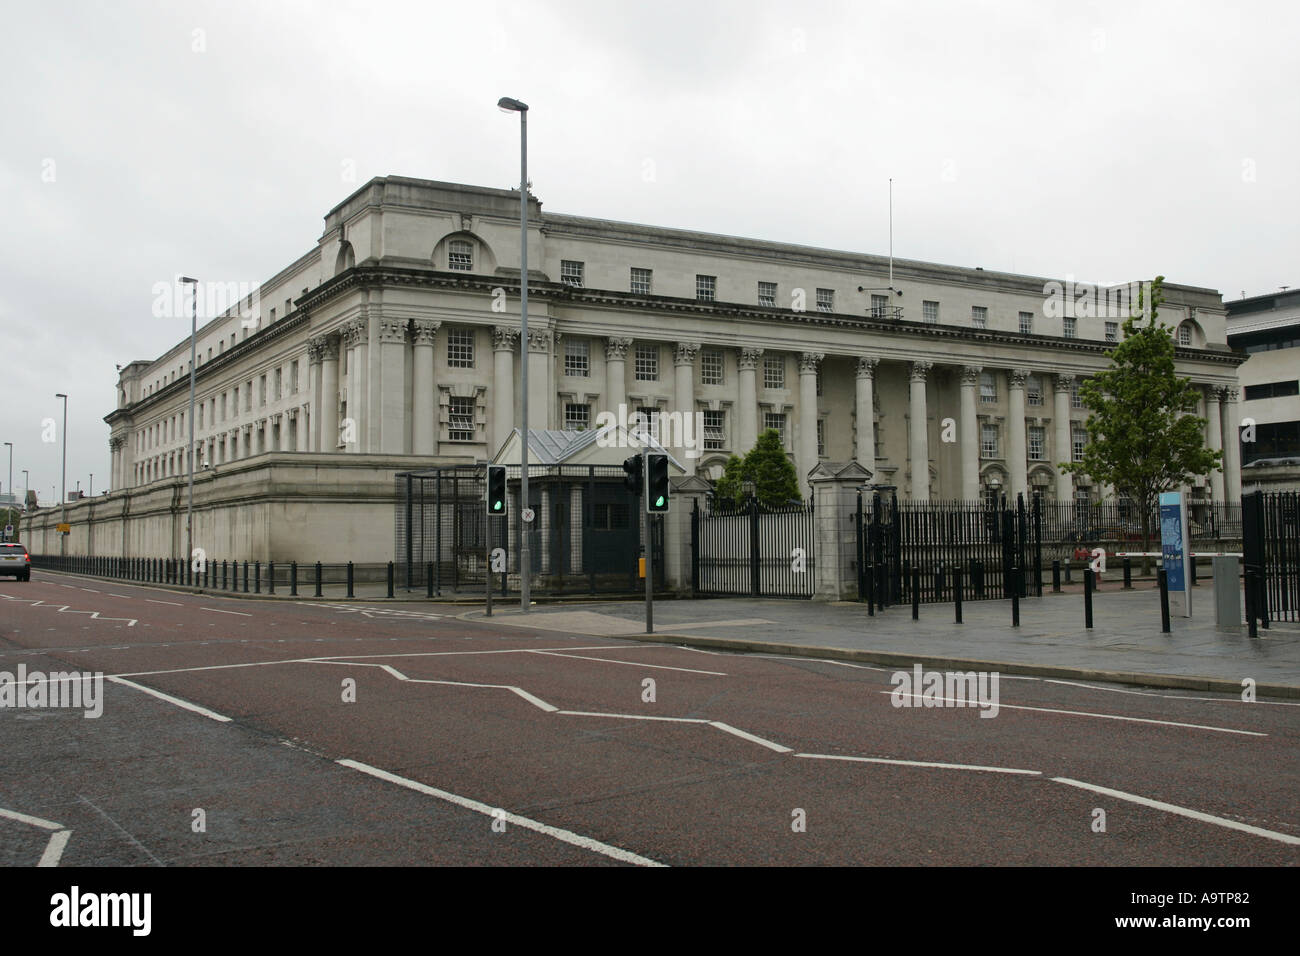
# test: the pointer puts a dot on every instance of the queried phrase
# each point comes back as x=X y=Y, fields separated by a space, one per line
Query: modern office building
x=393 y=343
x=1267 y=329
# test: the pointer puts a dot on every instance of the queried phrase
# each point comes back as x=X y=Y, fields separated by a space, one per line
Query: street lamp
x=91 y=492
x=515 y=106
x=189 y=510
x=10 y=486
x=63 y=515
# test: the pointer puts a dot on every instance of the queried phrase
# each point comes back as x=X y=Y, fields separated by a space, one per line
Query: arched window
x=460 y=255
x=1185 y=334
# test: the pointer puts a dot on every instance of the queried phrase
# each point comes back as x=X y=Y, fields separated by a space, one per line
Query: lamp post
x=10 y=486
x=525 y=571
x=26 y=481
x=91 y=492
x=189 y=451
x=63 y=514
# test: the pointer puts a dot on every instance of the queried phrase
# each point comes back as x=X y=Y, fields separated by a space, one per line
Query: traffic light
x=656 y=481
x=496 y=490
x=632 y=474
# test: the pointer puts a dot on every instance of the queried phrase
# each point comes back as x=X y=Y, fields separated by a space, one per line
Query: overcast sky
x=1106 y=141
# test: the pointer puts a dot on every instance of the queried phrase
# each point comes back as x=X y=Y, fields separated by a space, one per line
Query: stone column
x=505 y=341
x=1231 y=426
x=747 y=400
x=424 y=422
x=324 y=358
x=970 y=433
x=865 y=412
x=807 y=454
x=918 y=444
x=394 y=392
x=356 y=346
x=684 y=393
x=1017 y=453
x=1214 y=438
x=1064 y=446
x=540 y=395
x=616 y=374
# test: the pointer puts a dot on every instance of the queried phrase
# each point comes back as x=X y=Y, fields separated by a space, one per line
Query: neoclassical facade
x=397 y=334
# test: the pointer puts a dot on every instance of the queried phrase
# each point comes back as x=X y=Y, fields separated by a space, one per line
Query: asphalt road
x=322 y=733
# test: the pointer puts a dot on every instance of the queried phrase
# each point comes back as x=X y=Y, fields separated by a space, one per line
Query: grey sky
x=1108 y=143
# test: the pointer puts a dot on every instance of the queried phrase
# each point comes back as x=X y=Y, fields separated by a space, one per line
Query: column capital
x=423 y=331
x=392 y=330
x=616 y=349
x=919 y=370
x=970 y=374
x=685 y=353
x=354 y=332
x=318 y=349
x=504 y=338
x=748 y=359
x=539 y=340
x=1229 y=395
x=116 y=442
x=867 y=366
x=809 y=362
x=1064 y=382
x=1017 y=376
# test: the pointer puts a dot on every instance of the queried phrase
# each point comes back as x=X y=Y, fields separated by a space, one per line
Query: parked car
x=14 y=560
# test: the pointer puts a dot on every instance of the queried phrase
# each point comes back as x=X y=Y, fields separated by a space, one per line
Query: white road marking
x=740 y=622
x=1181 y=811
x=819 y=660
x=220 y=611
x=54 y=849
x=602 y=660
x=91 y=590
x=172 y=603
x=30 y=820
x=172 y=700
x=922 y=763
x=565 y=836
x=1145 y=693
x=670 y=720
x=111 y=594
x=735 y=731
x=1083 y=713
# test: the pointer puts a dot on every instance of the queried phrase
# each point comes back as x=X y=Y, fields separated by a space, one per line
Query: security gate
x=752 y=550
x=1271 y=554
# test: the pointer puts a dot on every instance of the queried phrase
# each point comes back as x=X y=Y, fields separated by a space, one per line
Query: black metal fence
x=1271 y=555
x=923 y=548
x=752 y=550
x=585 y=536
x=1115 y=525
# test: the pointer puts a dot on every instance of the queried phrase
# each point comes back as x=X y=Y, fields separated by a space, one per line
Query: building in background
x=1267 y=329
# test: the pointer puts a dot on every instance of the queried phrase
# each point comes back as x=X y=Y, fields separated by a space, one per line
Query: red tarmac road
x=474 y=743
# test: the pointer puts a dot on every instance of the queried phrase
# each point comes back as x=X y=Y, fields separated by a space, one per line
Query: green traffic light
x=659 y=502
x=497 y=506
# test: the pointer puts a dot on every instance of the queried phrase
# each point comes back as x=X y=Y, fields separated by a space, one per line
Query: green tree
x=1142 y=437
x=768 y=467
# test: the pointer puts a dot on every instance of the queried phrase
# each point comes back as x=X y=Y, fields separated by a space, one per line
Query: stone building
x=393 y=343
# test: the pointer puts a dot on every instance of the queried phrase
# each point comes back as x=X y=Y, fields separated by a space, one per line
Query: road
x=239 y=732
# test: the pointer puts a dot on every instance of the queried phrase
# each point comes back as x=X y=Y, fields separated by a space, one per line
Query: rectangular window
x=576 y=417
x=647 y=363
x=715 y=430
x=642 y=281
x=273 y=315
x=988 y=441
x=879 y=306
x=261 y=391
x=825 y=300
x=571 y=273
x=223 y=406
x=821 y=438
x=293 y=377
x=460 y=256
x=1271 y=390
x=706 y=288
x=710 y=367
x=236 y=399
x=1033 y=390
x=767 y=294
x=930 y=312
x=649 y=416
x=577 y=361
x=979 y=316
x=288 y=306
x=1076 y=400
x=1037 y=443
x=1112 y=331
x=1070 y=327
x=279 y=384
x=248 y=397
x=460 y=348
x=1078 y=438
x=200 y=416
x=461 y=418
x=774 y=372
x=776 y=422
x=1026 y=323
x=988 y=387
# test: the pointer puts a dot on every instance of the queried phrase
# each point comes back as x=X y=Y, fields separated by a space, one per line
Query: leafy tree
x=1142 y=438
x=768 y=467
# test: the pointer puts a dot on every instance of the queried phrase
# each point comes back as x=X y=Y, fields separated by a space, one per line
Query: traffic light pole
x=649 y=545
x=487 y=533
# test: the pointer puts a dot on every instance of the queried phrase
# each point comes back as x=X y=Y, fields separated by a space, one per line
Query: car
x=14 y=560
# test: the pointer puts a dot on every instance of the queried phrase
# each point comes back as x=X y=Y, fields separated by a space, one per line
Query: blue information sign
x=1171 y=539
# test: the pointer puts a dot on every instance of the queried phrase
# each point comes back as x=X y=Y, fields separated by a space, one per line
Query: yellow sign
x=63 y=529
x=640 y=567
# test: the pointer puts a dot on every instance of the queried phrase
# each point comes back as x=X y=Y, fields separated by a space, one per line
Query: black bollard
x=318 y=593
x=1067 y=572
x=956 y=591
x=871 y=590
x=1191 y=562
x=245 y=577
x=1015 y=597
x=916 y=594
x=270 y=577
x=428 y=580
x=1087 y=598
x=257 y=577
x=390 y=578
x=293 y=578
x=1056 y=577
x=350 y=594
x=1128 y=574
x=1162 y=577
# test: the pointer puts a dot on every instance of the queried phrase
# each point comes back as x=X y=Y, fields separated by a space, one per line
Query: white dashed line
x=602 y=660
x=172 y=700
x=734 y=731
x=54 y=849
x=220 y=611
x=172 y=603
x=922 y=763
